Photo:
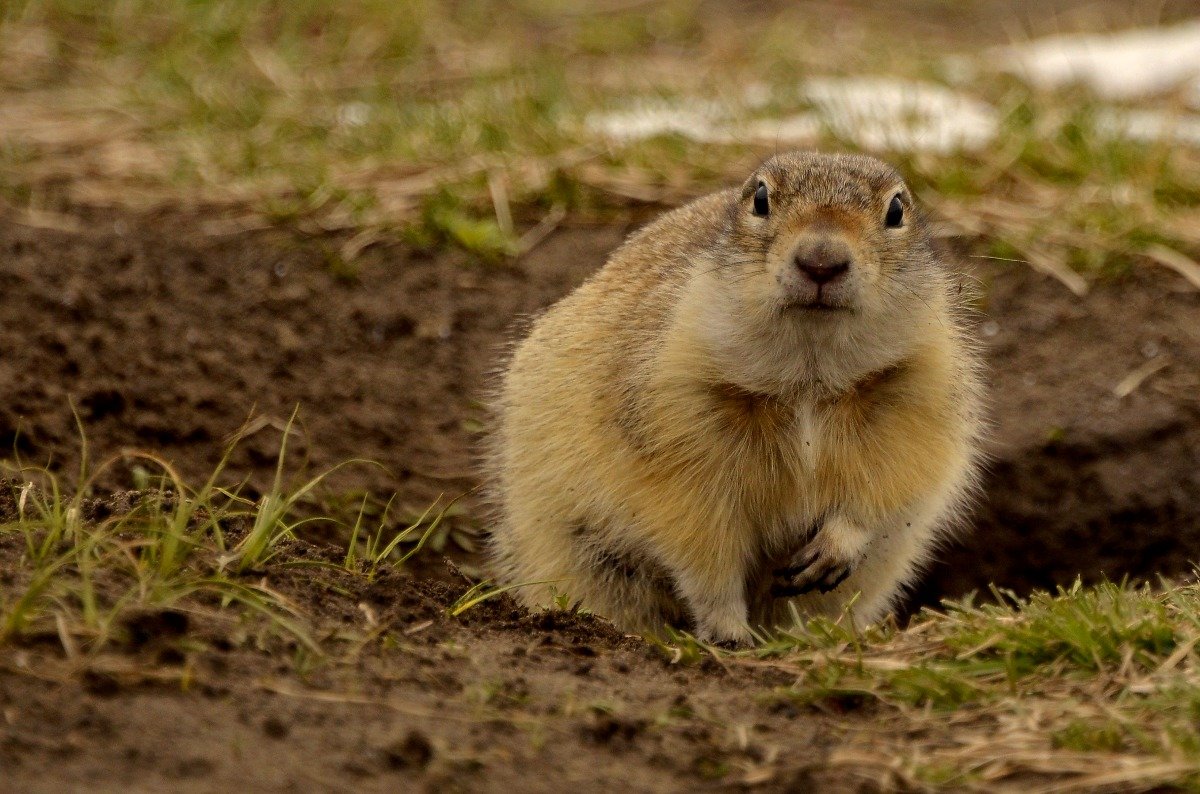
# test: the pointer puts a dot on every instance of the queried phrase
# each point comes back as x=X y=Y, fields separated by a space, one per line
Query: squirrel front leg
x=711 y=582
x=718 y=608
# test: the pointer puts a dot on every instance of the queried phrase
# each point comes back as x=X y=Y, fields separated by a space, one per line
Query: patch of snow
x=874 y=113
x=701 y=121
x=354 y=114
x=756 y=95
x=1128 y=65
x=890 y=114
x=1150 y=126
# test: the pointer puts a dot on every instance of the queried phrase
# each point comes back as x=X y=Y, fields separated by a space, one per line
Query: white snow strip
x=1150 y=126
x=902 y=115
x=1128 y=65
x=649 y=119
x=875 y=113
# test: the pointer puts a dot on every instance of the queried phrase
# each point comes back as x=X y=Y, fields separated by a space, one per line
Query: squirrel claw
x=813 y=572
x=732 y=645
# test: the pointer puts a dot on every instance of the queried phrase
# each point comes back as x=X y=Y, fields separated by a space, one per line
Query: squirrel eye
x=762 y=206
x=895 y=213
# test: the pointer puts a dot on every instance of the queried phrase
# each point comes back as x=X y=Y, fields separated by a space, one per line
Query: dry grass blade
x=1180 y=263
x=289 y=689
x=1052 y=264
x=545 y=227
x=1130 y=383
x=1136 y=775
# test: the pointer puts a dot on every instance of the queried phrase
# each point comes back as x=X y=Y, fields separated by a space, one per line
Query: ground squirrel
x=765 y=399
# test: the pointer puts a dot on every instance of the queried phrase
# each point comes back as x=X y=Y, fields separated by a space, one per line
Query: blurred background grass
x=465 y=123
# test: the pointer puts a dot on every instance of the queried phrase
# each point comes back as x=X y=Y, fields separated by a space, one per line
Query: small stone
x=413 y=751
x=275 y=728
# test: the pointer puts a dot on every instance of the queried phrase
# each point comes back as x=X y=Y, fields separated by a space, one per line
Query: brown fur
x=706 y=422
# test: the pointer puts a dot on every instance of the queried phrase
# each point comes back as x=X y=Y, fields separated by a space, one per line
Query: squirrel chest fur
x=764 y=404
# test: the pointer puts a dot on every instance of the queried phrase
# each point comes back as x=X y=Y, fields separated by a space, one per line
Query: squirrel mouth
x=818 y=302
x=814 y=306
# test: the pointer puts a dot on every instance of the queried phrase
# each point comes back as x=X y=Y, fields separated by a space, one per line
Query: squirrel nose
x=823 y=259
x=822 y=272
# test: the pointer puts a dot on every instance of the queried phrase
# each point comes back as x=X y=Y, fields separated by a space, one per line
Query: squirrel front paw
x=825 y=562
x=726 y=634
x=716 y=600
x=811 y=570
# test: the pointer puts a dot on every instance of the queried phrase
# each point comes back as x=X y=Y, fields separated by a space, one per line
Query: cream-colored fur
x=688 y=439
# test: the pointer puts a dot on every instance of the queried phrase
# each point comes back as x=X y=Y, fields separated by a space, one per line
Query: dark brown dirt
x=165 y=338
x=411 y=699
x=1083 y=483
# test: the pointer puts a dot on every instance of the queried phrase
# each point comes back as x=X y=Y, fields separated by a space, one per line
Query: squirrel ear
x=762 y=201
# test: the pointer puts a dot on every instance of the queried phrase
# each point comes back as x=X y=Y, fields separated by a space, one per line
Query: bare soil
x=188 y=700
x=165 y=334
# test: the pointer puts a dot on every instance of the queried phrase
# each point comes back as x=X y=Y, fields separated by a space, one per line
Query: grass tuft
x=77 y=568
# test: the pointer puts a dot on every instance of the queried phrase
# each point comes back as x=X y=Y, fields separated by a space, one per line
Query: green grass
x=462 y=123
x=76 y=568
x=1109 y=672
x=79 y=579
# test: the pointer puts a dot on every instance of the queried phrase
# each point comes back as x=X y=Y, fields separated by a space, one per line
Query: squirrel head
x=829 y=256
x=828 y=234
